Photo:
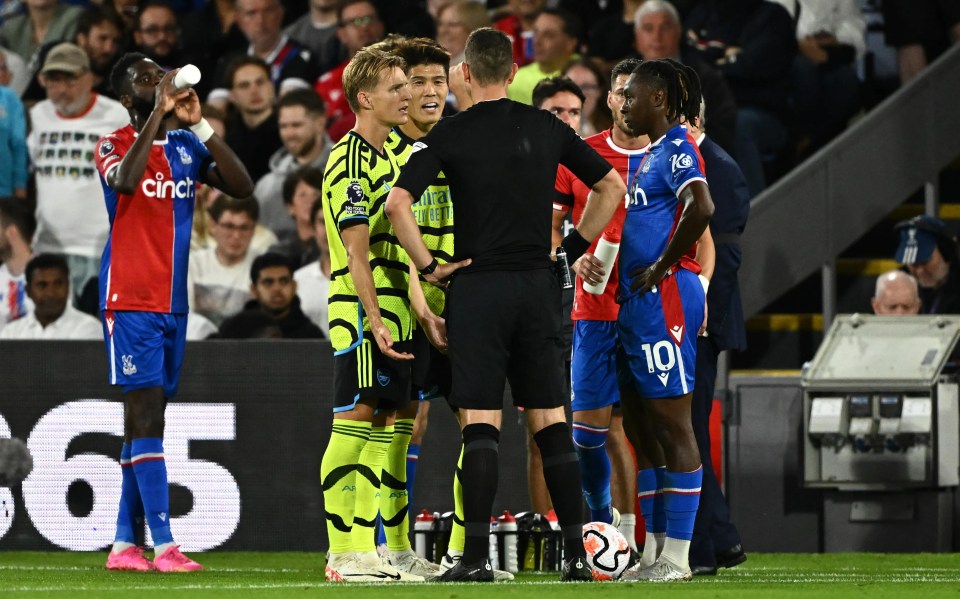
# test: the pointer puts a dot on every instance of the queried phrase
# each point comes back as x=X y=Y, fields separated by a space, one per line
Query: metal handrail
x=804 y=221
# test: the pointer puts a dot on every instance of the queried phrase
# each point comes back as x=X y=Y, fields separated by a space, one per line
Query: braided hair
x=681 y=84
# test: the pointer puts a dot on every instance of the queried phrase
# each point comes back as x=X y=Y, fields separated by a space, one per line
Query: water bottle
x=536 y=542
x=563 y=268
x=507 y=528
x=553 y=543
x=444 y=525
x=186 y=77
x=494 y=553
x=525 y=559
x=606 y=253
x=424 y=534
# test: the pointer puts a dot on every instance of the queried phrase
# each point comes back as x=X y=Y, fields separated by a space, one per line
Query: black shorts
x=908 y=22
x=506 y=325
x=365 y=373
x=430 y=373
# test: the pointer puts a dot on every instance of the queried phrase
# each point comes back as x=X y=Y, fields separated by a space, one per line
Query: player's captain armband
x=705 y=282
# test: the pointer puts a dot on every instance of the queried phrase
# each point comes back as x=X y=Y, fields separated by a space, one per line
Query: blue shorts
x=593 y=369
x=658 y=333
x=145 y=349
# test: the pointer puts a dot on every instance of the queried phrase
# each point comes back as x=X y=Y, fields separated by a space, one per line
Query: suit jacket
x=732 y=207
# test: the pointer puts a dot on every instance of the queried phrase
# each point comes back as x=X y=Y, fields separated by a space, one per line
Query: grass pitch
x=244 y=575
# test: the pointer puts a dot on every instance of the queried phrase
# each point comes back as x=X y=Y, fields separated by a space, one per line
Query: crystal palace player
x=662 y=301
x=150 y=170
x=593 y=366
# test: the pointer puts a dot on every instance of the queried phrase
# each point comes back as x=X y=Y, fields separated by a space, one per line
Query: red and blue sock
x=150 y=470
x=130 y=514
x=590 y=442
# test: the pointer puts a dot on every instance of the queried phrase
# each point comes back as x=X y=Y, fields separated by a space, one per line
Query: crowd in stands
x=780 y=80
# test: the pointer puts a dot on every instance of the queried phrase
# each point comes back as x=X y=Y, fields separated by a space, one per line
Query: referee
x=504 y=317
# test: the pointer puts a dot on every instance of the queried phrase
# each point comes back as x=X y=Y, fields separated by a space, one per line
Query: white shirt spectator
x=71 y=212
x=72 y=324
x=199 y=327
x=312 y=288
x=217 y=291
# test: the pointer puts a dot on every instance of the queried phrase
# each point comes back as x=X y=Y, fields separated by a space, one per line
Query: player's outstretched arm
x=126 y=178
x=398 y=209
x=697 y=211
x=605 y=195
x=356 y=240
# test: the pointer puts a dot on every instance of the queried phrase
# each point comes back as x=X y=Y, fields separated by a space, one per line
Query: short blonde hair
x=364 y=71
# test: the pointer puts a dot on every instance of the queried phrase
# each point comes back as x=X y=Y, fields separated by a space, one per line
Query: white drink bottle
x=606 y=253
x=186 y=77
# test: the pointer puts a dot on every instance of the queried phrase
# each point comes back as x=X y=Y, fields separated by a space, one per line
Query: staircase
x=789 y=331
x=818 y=238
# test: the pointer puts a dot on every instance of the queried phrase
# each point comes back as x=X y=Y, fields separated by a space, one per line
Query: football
x=608 y=553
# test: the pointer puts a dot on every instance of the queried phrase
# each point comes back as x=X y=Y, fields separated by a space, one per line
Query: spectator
x=826 y=89
x=212 y=32
x=289 y=64
x=595 y=86
x=250 y=324
x=302 y=119
x=920 y=30
x=313 y=280
x=157 y=35
x=48 y=287
x=359 y=26
x=199 y=327
x=71 y=214
x=301 y=189
x=217 y=282
x=317 y=32
x=13 y=135
x=896 y=294
x=17 y=225
x=657 y=32
x=100 y=35
x=752 y=43
x=610 y=38
x=455 y=21
x=263 y=238
x=13 y=71
x=275 y=293
x=929 y=252
x=127 y=9
x=253 y=132
x=556 y=34
x=44 y=22
x=519 y=26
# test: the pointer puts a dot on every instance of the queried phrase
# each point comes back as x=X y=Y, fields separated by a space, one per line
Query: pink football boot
x=130 y=559
x=172 y=560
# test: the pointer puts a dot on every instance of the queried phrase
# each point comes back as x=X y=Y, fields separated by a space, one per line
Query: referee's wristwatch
x=429 y=268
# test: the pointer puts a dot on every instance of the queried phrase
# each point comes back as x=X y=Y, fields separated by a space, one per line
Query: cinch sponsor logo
x=169 y=189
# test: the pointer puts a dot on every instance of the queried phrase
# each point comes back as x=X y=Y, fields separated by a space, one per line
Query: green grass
x=242 y=575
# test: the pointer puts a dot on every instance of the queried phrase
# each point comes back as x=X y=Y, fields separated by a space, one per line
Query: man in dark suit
x=716 y=541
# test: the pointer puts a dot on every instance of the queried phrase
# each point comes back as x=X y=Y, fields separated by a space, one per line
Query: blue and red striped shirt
x=144 y=265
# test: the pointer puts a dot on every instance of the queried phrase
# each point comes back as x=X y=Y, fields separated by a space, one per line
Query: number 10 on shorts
x=661 y=354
